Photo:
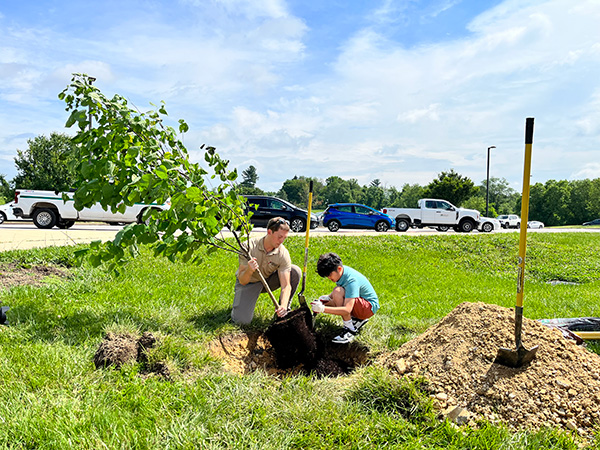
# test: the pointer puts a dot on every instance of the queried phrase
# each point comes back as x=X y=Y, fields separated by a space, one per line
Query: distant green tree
x=374 y=195
x=391 y=196
x=581 y=201
x=477 y=202
x=502 y=198
x=6 y=193
x=46 y=164
x=549 y=203
x=296 y=190
x=594 y=209
x=451 y=186
x=336 y=190
x=249 y=177
x=410 y=195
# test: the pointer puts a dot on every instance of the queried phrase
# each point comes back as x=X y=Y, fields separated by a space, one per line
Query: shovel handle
x=308 y=219
x=264 y=282
x=524 y=210
x=267 y=288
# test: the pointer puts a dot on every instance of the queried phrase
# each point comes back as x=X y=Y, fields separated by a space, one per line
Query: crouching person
x=269 y=255
x=353 y=298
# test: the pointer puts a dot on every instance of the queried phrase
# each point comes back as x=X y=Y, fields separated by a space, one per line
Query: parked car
x=264 y=208
x=535 y=224
x=509 y=221
x=489 y=224
x=434 y=213
x=593 y=222
x=48 y=209
x=354 y=215
x=6 y=213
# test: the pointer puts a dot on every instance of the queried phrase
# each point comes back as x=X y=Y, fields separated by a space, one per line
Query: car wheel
x=333 y=225
x=467 y=226
x=45 y=218
x=402 y=225
x=487 y=227
x=64 y=224
x=442 y=228
x=518 y=225
x=297 y=225
x=2 y=217
x=382 y=226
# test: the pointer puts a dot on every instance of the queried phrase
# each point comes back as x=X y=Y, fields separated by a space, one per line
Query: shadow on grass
x=211 y=320
x=43 y=324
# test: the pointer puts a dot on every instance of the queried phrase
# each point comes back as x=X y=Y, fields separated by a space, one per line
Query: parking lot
x=25 y=235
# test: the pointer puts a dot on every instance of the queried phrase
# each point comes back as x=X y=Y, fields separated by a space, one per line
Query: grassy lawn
x=53 y=396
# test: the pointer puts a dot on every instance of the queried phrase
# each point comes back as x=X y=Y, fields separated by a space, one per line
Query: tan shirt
x=268 y=263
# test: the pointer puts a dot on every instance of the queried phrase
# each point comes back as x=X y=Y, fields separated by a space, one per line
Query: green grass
x=53 y=397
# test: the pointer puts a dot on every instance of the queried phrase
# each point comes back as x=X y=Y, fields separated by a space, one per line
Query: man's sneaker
x=345 y=337
x=358 y=323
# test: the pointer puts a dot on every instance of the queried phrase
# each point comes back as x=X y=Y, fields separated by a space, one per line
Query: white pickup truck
x=432 y=212
x=47 y=209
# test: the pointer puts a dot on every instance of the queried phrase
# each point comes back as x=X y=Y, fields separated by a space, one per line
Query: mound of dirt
x=118 y=349
x=559 y=388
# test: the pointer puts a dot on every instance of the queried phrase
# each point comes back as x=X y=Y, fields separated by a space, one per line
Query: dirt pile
x=117 y=349
x=560 y=387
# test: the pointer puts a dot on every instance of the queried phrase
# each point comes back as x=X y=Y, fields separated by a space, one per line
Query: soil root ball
x=293 y=340
x=116 y=350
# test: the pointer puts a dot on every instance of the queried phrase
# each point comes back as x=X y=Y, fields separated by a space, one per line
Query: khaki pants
x=246 y=296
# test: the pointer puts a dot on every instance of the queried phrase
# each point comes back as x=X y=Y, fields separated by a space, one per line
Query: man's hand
x=324 y=298
x=253 y=264
x=281 y=311
x=317 y=306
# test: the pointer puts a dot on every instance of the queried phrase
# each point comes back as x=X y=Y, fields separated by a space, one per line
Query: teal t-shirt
x=356 y=285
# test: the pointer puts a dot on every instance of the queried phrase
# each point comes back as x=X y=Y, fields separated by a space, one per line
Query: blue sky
x=392 y=90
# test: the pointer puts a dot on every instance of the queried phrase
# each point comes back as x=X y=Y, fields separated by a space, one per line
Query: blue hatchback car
x=354 y=215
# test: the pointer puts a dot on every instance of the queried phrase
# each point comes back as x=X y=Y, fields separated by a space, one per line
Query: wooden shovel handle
x=268 y=289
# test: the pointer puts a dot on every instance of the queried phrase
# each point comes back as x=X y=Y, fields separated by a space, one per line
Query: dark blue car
x=354 y=215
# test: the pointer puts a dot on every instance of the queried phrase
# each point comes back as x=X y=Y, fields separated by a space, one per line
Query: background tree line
x=44 y=165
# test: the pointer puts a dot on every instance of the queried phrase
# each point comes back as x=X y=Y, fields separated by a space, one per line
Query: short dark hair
x=277 y=223
x=327 y=263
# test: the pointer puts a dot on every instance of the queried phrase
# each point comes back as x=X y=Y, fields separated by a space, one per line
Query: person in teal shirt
x=353 y=298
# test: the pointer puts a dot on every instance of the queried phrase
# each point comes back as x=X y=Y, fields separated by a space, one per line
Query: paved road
x=25 y=235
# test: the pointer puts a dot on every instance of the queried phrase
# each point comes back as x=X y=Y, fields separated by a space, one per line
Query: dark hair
x=277 y=223
x=327 y=263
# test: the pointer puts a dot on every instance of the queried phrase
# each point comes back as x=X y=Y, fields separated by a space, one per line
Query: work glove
x=317 y=306
x=324 y=298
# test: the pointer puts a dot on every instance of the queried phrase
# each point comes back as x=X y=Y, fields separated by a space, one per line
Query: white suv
x=509 y=221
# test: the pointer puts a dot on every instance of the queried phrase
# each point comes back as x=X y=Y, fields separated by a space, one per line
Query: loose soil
x=243 y=353
x=16 y=275
x=117 y=349
x=559 y=388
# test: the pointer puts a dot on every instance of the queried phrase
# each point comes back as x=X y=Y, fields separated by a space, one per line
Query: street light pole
x=487 y=183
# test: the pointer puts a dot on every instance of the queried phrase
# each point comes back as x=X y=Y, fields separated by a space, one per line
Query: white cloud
x=237 y=71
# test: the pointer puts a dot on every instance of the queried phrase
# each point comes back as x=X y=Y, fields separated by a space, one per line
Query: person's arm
x=284 y=294
x=343 y=310
x=245 y=271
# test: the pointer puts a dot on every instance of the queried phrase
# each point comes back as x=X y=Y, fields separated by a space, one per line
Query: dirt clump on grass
x=117 y=349
x=12 y=274
x=559 y=388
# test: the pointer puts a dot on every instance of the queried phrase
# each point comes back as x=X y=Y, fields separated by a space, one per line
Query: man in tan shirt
x=272 y=258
